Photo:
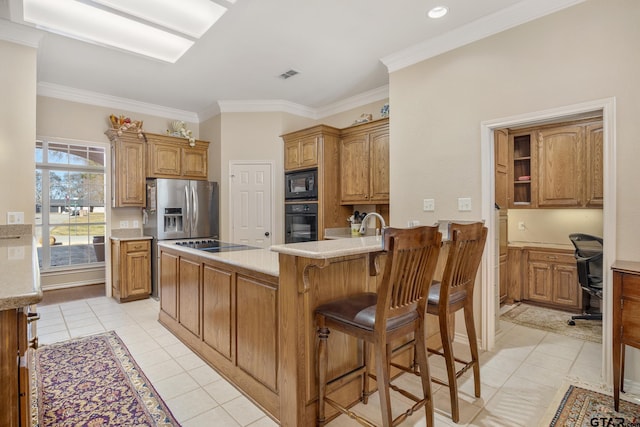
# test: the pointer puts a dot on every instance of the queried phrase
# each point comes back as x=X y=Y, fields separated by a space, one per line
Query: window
x=70 y=205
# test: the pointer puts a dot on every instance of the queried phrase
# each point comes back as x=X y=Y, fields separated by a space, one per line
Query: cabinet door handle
x=33 y=343
x=32 y=317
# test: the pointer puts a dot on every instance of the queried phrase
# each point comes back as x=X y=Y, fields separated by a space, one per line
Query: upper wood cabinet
x=595 y=165
x=128 y=169
x=364 y=163
x=556 y=166
x=300 y=151
x=561 y=166
x=173 y=157
x=501 y=158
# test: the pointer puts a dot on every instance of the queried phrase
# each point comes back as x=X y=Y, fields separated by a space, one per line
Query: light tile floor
x=519 y=377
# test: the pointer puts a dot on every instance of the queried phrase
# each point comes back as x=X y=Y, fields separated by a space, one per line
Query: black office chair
x=588 y=255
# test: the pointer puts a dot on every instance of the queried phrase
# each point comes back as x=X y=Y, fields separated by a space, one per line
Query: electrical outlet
x=15 y=217
x=413 y=223
x=136 y=224
x=124 y=224
x=464 y=204
x=521 y=226
x=429 y=205
x=16 y=252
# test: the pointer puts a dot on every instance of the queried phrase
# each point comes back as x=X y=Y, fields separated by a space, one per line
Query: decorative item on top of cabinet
x=364 y=163
x=128 y=167
x=175 y=157
x=552 y=279
x=130 y=269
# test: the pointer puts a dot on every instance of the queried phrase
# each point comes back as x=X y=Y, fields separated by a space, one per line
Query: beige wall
x=553 y=225
x=584 y=53
x=17 y=131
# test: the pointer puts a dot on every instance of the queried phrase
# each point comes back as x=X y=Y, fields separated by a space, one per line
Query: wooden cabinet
x=626 y=319
x=561 y=166
x=318 y=146
x=189 y=280
x=595 y=165
x=128 y=169
x=173 y=157
x=364 y=164
x=169 y=284
x=522 y=164
x=552 y=279
x=503 y=254
x=514 y=276
x=300 y=151
x=501 y=159
x=130 y=269
x=15 y=345
x=229 y=316
x=217 y=303
x=556 y=166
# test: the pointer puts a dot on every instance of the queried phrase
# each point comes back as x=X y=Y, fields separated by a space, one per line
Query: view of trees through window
x=70 y=204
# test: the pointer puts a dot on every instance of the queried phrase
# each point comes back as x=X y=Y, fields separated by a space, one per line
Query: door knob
x=266 y=234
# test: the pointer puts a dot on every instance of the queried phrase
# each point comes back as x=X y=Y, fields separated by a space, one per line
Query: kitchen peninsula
x=249 y=314
x=19 y=289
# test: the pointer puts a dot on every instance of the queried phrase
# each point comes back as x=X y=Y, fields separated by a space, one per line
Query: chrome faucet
x=363 y=227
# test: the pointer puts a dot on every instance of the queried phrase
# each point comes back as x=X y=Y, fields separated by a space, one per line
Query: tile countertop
x=260 y=260
x=19 y=271
x=325 y=249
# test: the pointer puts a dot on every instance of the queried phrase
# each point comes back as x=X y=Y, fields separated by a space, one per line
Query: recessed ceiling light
x=437 y=12
x=161 y=29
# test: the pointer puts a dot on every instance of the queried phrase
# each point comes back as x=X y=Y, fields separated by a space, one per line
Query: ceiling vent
x=287 y=74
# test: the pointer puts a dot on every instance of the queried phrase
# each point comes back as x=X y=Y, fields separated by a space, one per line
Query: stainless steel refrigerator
x=179 y=209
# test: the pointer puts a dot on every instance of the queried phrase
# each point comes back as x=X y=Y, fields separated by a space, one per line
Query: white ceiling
x=338 y=46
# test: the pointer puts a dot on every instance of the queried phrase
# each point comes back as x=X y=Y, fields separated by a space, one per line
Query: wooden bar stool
x=453 y=293
x=398 y=309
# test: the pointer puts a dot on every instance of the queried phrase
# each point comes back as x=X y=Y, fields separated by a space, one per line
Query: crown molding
x=229 y=106
x=20 y=34
x=265 y=106
x=99 y=99
x=515 y=15
x=373 y=95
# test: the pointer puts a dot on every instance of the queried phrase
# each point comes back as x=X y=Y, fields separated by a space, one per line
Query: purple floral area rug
x=93 y=381
x=581 y=407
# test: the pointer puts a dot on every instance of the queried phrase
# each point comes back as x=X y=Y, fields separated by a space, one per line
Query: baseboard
x=70 y=285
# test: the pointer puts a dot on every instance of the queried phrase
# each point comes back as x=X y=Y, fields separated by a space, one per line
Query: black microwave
x=301 y=185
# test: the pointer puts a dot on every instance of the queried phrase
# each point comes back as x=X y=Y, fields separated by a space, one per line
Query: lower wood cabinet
x=130 y=269
x=229 y=316
x=15 y=344
x=552 y=279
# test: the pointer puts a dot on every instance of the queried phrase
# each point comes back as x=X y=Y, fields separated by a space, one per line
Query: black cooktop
x=211 y=245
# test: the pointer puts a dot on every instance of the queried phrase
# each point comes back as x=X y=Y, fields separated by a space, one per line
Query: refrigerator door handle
x=194 y=198
x=188 y=205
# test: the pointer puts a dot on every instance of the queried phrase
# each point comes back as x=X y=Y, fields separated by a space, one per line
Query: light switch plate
x=15 y=217
x=124 y=224
x=429 y=205
x=464 y=204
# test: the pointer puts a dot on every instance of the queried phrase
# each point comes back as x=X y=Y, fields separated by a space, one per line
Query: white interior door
x=251 y=203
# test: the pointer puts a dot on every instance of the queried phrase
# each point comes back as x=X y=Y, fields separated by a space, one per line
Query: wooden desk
x=626 y=318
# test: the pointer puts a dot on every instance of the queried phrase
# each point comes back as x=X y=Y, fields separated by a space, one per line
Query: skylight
x=161 y=29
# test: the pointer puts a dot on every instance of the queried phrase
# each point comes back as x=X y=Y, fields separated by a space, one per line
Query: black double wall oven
x=301 y=206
